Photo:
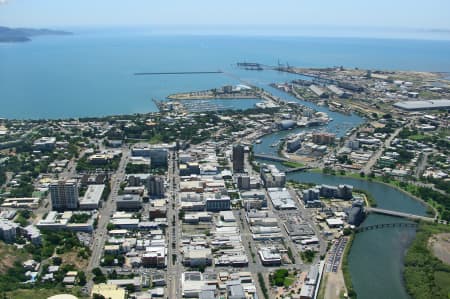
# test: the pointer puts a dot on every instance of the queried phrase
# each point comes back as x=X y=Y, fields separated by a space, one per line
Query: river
x=376 y=257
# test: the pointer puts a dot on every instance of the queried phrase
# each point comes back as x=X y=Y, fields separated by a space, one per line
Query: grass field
x=41 y=293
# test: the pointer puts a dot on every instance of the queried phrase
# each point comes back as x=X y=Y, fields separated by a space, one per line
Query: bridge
x=271 y=158
x=303 y=168
x=399 y=214
x=385 y=225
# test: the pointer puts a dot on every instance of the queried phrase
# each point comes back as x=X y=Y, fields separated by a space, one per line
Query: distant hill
x=25 y=34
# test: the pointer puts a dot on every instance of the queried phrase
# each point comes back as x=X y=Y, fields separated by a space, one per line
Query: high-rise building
x=238 y=158
x=155 y=186
x=64 y=195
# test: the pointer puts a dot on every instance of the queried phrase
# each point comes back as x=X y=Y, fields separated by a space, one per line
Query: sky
x=401 y=14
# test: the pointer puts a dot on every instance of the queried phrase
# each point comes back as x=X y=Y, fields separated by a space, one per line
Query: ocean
x=91 y=73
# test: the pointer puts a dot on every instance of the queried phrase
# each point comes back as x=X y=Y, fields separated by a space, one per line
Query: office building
x=129 y=202
x=238 y=158
x=155 y=186
x=64 y=195
x=220 y=203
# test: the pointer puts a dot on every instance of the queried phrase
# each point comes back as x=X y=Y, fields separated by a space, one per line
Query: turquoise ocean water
x=91 y=73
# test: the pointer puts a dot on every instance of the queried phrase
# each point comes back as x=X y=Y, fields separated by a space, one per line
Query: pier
x=399 y=214
x=179 y=73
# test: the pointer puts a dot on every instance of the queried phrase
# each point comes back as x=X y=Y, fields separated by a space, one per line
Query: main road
x=100 y=233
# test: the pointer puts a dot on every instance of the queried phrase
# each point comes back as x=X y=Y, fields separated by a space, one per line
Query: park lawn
x=292 y=164
x=289 y=280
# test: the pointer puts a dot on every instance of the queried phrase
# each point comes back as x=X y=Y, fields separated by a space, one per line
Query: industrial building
x=443 y=104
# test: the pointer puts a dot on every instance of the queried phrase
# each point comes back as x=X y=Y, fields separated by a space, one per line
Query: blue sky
x=429 y=14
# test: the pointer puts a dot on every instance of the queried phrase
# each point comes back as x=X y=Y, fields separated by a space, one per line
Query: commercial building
x=129 y=202
x=154 y=256
x=243 y=181
x=155 y=186
x=92 y=197
x=269 y=257
x=195 y=257
x=218 y=203
x=158 y=153
x=238 y=158
x=281 y=199
x=443 y=104
x=64 y=195
x=45 y=143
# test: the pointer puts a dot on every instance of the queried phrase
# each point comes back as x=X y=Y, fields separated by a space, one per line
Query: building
x=424 y=105
x=108 y=291
x=92 y=197
x=157 y=153
x=45 y=143
x=197 y=257
x=243 y=181
x=345 y=192
x=8 y=230
x=64 y=195
x=269 y=257
x=155 y=186
x=292 y=145
x=356 y=213
x=341 y=191
x=238 y=158
x=235 y=290
x=218 y=203
x=154 y=256
x=310 y=195
x=323 y=138
x=129 y=202
x=272 y=177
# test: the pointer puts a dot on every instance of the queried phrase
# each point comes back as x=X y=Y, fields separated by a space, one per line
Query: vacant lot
x=9 y=254
x=440 y=244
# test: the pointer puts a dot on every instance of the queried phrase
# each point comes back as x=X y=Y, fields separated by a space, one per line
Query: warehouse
x=423 y=105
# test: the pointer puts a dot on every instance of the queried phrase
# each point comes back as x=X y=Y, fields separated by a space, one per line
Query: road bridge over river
x=399 y=214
